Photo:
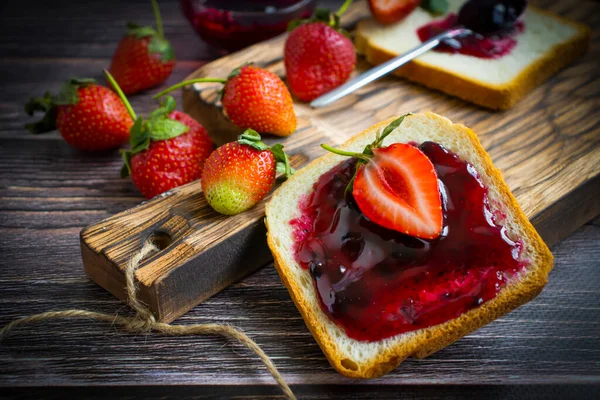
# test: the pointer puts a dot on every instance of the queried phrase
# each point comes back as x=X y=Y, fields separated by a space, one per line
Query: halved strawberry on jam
x=397 y=187
x=390 y=11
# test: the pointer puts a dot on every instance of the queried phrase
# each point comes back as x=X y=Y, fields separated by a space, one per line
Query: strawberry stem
x=360 y=156
x=159 y=26
x=120 y=93
x=343 y=8
x=189 y=82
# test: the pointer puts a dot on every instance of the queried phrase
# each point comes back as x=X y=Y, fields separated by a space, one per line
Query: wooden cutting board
x=548 y=148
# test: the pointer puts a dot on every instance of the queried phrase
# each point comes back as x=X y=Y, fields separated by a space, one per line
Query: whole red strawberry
x=172 y=162
x=144 y=58
x=318 y=56
x=88 y=116
x=239 y=174
x=397 y=187
x=254 y=98
x=390 y=11
x=168 y=149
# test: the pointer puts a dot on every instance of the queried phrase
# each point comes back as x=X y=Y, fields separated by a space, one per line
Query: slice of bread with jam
x=546 y=44
x=393 y=296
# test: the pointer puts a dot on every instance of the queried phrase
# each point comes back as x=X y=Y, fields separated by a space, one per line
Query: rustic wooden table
x=549 y=348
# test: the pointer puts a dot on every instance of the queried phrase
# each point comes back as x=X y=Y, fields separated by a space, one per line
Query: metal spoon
x=493 y=16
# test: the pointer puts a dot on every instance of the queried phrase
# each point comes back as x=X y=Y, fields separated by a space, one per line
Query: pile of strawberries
x=169 y=148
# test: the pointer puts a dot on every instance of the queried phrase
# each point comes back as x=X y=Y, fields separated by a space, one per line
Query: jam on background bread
x=363 y=359
x=547 y=44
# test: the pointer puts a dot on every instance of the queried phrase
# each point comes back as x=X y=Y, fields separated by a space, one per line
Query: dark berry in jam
x=476 y=45
x=495 y=25
x=376 y=283
x=490 y=16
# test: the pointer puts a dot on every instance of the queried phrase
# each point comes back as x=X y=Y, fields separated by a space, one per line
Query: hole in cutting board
x=160 y=239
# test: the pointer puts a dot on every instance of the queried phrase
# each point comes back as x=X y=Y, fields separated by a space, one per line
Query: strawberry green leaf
x=435 y=7
x=322 y=15
x=166 y=106
x=162 y=47
x=381 y=136
x=142 y=144
x=163 y=129
x=252 y=138
x=68 y=95
x=48 y=104
x=68 y=91
x=138 y=136
x=169 y=103
x=39 y=104
x=293 y=24
x=140 y=31
x=367 y=153
x=283 y=161
x=45 y=104
x=126 y=168
x=236 y=71
x=255 y=145
x=139 y=140
x=160 y=127
x=250 y=134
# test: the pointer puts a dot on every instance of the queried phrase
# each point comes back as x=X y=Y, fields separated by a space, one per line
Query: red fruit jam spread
x=375 y=282
x=492 y=46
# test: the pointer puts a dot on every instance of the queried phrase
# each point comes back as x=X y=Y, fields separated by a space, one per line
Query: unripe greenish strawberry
x=238 y=175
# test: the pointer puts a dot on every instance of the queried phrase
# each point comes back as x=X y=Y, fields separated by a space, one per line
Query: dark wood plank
x=366 y=392
x=545 y=148
x=553 y=339
x=90 y=29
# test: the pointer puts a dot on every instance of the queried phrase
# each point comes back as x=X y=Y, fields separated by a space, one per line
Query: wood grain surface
x=547 y=148
x=48 y=192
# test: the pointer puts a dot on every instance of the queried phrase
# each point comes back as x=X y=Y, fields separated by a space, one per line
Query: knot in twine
x=145 y=322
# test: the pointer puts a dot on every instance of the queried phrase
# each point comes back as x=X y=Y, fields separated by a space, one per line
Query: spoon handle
x=385 y=68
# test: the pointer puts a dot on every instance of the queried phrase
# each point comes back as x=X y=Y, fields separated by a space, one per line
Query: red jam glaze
x=376 y=283
x=492 y=46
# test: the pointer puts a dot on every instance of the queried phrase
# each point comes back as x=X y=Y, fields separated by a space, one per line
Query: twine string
x=144 y=321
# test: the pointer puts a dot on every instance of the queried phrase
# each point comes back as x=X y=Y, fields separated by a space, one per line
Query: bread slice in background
x=548 y=44
x=362 y=359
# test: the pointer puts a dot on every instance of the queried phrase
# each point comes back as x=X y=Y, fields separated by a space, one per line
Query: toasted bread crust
x=496 y=97
x=434 y=338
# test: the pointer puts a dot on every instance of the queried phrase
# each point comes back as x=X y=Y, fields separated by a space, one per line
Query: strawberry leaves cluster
x=252 y=138
x=325 y=16
x=158 y=43
x=367 y=154
x=48 y=104
x=168 y=148
x=156 y=127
